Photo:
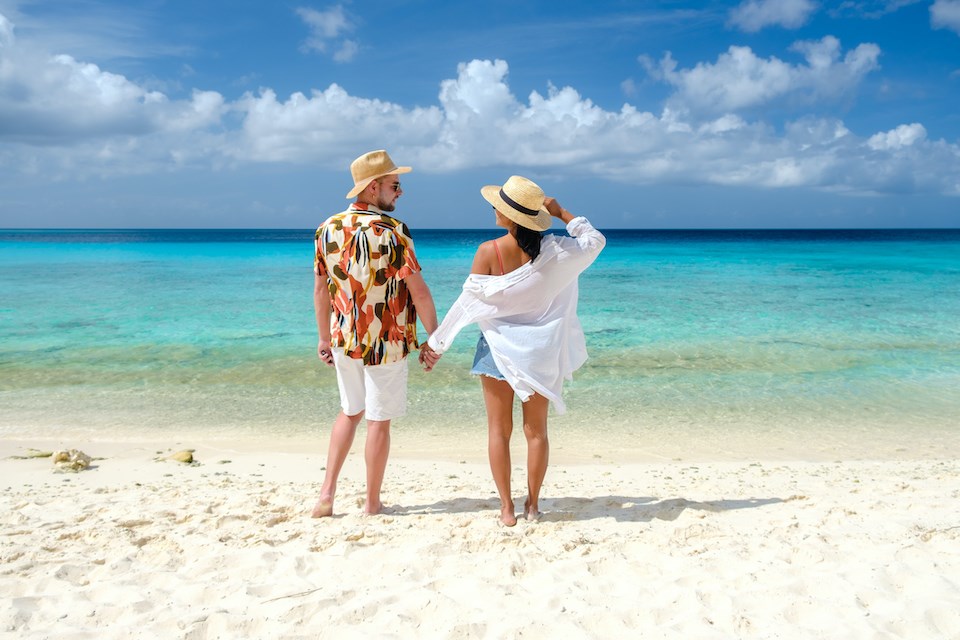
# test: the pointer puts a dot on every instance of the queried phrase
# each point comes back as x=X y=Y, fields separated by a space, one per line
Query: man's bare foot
x=507 y=517
x=323 y=508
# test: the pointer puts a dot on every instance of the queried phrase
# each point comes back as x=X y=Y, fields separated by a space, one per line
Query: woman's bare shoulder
x=483 y=259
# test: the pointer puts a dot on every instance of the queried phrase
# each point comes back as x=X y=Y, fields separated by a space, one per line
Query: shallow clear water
x=706 y=336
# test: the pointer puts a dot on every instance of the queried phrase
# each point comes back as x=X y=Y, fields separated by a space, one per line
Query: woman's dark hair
x=529 y=241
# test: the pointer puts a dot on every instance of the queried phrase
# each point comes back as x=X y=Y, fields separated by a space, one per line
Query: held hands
x=428 y=357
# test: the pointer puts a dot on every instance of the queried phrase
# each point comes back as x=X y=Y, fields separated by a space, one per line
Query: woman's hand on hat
x=552 y=206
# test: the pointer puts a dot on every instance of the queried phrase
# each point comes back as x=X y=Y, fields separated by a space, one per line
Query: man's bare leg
x=376 y=453
x=341 y=439
x=498 y=398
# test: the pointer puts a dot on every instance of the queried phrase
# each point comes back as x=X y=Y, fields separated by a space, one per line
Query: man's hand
x=324 y=352
x=428 y=357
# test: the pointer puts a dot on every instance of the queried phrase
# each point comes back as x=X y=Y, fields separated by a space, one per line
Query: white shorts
x=380 y=390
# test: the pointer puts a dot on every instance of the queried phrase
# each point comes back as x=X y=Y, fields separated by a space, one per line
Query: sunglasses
x=394 y=185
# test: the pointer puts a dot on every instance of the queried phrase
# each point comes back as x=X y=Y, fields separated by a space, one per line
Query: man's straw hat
x=371 y=166
x=521 y=200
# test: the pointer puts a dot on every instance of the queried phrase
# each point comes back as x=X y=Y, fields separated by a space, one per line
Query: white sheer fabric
x=529 y=316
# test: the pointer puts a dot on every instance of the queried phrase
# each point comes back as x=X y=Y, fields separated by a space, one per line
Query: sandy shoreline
x=574 y=439
x=140 y=547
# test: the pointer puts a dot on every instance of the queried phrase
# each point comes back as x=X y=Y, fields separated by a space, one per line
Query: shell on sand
x=185 y=456
x=72 y=460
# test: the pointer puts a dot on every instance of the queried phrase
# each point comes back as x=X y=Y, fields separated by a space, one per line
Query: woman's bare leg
x=538 y=451
x=498 y=397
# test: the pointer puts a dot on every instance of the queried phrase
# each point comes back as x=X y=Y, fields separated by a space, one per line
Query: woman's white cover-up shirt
x=529 y=316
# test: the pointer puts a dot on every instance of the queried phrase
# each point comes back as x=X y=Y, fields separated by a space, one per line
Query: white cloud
x=739 y=79
x=871 y=9
x=202 y=110
x=6 y=31
x=483 y=123
x=67 y=119
x=905 y=135
x=70 y=119
x=57 y=99
x=754 y=15
x=347 y=51
x=945 y=14
x=479 y=90
x=480 y=122
x=325 y=25
x=326 y=28
x=723 y=124
x=318 y=127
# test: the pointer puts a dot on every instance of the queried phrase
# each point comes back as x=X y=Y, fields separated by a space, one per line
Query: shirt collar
x=364 y=207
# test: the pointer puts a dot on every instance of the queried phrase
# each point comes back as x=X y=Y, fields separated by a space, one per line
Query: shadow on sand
x=620 y=508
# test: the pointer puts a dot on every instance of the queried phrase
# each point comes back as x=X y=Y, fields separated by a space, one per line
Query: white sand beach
x=141 y=547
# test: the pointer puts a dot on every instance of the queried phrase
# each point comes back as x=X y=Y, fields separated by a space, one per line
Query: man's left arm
x=422 y=301
x=427 y=312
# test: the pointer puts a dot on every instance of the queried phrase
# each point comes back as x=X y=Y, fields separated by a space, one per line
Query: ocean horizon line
x=482 y=229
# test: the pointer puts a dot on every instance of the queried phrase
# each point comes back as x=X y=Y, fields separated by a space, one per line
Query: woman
x=522 y=292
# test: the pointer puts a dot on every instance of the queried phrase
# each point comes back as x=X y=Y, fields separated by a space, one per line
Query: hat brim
x=540 y=222
x=360 y=186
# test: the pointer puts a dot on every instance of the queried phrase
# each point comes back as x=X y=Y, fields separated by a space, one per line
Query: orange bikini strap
x=499 y=259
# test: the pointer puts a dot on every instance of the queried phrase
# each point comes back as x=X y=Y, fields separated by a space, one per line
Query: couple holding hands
x=521 y=291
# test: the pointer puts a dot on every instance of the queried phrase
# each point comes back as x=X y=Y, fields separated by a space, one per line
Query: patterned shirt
x=365 y=254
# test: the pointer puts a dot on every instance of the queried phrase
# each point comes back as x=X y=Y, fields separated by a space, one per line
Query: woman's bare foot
x=372 y=512
x=507 y=517
x=532 y=514
x=323 y=508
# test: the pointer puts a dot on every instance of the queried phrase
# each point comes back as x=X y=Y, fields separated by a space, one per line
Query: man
x=367 y=294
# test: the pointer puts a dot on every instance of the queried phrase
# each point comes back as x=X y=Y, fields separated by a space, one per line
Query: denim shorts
x=483 y=364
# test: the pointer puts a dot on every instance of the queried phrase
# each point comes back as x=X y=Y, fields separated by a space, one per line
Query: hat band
x=518 y=207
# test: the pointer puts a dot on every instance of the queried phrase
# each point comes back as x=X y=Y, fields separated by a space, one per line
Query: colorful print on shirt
x=365 y=254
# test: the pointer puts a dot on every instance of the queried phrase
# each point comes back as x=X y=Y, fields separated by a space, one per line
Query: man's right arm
x=321 y=305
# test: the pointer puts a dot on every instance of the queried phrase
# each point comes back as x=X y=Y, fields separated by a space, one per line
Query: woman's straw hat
x=521 y=200
x=371 y=166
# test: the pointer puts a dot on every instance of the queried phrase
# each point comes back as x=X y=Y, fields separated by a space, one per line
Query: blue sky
x=758 y=114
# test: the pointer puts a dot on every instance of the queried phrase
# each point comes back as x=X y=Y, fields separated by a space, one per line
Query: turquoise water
x=700 y=335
